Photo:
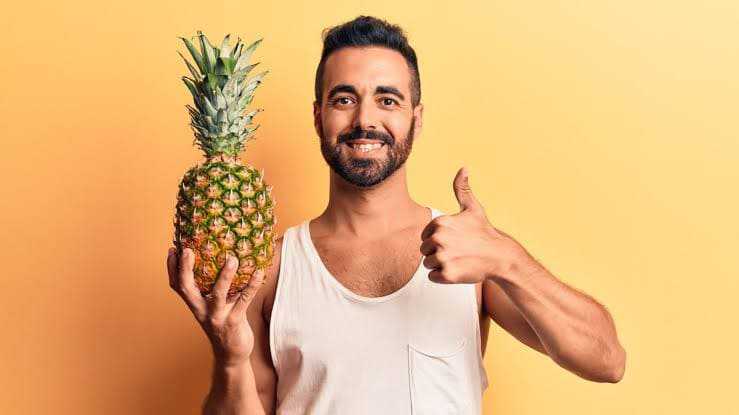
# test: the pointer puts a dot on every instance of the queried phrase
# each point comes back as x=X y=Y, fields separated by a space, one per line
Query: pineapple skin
x=225 y=207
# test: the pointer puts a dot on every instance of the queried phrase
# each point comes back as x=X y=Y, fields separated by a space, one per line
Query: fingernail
x=170 y=252
x=231 y=261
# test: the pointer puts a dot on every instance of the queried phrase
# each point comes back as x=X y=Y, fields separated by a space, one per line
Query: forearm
x=577 y=332
x=233 y=392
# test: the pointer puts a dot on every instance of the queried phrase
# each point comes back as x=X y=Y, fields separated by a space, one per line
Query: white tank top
x=414 y=351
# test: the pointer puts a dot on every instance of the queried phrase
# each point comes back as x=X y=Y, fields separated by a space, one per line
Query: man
x=380 y=305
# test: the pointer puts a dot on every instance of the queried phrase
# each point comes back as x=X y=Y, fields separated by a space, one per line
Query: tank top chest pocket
x=440 y=380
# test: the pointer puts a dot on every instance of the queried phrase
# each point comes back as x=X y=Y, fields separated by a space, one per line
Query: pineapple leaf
x=191 y=86
x=210 y=110
x=229 y=63
x=245 y=99
x=230 y=90
x=194 y=114
x=221 y=68
x=253 y=46
x=220 y=100
x=251 y=115
x=254 y=82
x=222 y=79
x=208 y=52
x=241 y=73
x=246 y=54
x=237 y=50
x=225 y=51
x=195 y=54
x=209 y=122
x=212 y=81
x=206 y=64
x=193 y=71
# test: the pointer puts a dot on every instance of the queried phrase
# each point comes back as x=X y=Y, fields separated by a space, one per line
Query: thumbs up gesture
x=465 y=247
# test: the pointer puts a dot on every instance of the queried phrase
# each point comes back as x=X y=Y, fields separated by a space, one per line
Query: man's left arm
x=575 y=330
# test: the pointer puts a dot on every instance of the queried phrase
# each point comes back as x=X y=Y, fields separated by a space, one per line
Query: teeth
x=366 y=147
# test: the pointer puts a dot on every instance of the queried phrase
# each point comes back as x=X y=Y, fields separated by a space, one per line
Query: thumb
x=463 y=192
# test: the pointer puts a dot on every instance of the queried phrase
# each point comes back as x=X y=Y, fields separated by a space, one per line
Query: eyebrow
x=382 y=89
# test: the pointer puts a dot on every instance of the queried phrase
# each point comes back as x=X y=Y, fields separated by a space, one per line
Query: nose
x=365 y=117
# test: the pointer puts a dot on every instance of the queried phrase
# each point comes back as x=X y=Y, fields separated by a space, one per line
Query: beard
x=367 y=172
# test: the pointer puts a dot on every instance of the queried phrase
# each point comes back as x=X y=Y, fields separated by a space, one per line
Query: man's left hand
x=465 y=247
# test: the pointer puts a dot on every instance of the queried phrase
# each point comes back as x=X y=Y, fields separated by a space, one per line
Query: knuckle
x=213 y=322
x=257 y=278
x=435 y=239
x=442 y=220
x=249 y=292
x=427 y=262
x=442 y=257
x=451 y=274
x=200 y=318
x=232 y=320
x=228 y=271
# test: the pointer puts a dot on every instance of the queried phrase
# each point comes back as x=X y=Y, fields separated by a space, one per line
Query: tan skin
x=374 y=253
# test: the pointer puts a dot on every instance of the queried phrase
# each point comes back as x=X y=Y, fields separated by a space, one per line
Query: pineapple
x=223 y=205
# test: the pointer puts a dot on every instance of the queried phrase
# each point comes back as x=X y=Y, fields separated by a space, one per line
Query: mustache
x=358 y=133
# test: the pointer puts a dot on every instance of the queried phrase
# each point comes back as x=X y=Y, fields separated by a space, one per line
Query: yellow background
x=603 y=135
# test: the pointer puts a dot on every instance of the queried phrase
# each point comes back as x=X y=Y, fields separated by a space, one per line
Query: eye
x=389 y=101
x=341 y=100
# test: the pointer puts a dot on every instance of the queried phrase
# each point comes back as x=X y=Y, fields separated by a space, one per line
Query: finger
x=223 y=282
x=429 y=229
x=185 y=284
x=172 y=267
x=432 y=262
x=437 y=276
x=428 y=246
x=463 y=192
x=249 y=292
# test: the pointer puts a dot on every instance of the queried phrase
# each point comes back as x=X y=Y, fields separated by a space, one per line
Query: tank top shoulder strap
x=292 y=259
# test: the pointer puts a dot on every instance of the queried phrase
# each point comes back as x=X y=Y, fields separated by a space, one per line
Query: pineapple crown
x=221 y=91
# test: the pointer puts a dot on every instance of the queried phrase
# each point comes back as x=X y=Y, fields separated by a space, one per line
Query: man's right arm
x=249 y=388
x=234 y=391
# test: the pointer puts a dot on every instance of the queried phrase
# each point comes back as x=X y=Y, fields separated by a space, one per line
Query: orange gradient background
x=602 y=135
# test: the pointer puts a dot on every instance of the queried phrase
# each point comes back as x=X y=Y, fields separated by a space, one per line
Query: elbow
x=617 y=366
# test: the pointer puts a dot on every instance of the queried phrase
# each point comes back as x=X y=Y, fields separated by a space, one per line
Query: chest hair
x=372 y=268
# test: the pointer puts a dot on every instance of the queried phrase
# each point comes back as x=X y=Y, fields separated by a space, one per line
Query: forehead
x=366 y=67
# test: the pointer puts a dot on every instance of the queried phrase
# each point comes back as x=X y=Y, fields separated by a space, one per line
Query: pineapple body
x=224 y=207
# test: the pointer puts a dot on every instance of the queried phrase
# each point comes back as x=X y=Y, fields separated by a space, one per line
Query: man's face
x=365 y=120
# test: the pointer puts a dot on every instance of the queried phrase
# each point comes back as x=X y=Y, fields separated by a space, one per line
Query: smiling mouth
x=364 y=146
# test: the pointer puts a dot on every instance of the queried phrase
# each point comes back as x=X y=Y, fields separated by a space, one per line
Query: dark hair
x=369 y=31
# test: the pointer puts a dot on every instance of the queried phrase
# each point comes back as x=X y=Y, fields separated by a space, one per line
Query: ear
x=418 y=113
x=317 y=117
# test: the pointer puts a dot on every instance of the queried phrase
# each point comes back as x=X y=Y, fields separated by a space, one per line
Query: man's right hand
x=223 y=319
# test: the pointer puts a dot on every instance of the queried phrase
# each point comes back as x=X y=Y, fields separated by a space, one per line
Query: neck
x=383 y=208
